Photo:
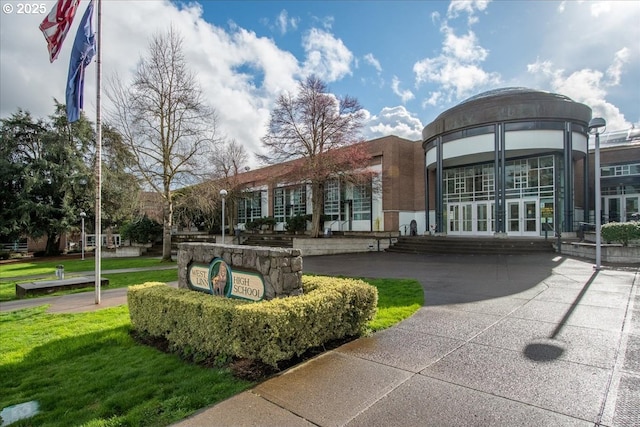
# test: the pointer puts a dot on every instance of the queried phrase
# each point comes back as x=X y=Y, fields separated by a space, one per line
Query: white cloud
x=457 y=80
x=327 y=56
x=432 y=100
x=587 y=86
x=470 y=7
x=598 y=8
x=614 y=71
x=457 y=70
x=371 y=60
x=405 y=95
x=394 y=121
x=284 y=23
x=464 y=48
x=240 y=73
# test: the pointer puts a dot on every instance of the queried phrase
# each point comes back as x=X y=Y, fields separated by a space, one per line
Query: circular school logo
x=220 y=274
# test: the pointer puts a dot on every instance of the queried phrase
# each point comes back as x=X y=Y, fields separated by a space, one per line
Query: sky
x=405 y=61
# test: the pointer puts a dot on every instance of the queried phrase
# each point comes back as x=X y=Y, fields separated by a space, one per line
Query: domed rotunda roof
x=504 y=105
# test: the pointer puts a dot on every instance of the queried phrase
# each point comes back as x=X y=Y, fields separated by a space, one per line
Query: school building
x=509 y=162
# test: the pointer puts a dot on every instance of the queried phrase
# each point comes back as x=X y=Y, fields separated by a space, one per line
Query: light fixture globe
x=223 y=193
x=596 y=123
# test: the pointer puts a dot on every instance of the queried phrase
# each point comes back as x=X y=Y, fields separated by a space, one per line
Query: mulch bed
x=246 y=369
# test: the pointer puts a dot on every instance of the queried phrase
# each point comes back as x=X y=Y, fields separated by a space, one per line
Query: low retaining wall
x=280 y=268
x=340 y=245
x=124 y=252
x=613 y=253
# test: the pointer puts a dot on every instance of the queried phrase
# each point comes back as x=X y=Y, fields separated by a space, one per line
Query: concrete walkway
x=536 y=340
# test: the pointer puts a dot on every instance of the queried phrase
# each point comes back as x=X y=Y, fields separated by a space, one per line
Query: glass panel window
x=332 y=200
x=523 y=177
x=279 y=204
x=289 y=202
x=620 y=170
x=249 y=206
x=362 y=202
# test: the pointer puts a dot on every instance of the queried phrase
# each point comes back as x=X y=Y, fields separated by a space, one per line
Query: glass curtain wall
x=469 y=196
x=289 y=202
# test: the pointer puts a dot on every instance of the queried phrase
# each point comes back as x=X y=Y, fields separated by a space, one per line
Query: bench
x=49 y=286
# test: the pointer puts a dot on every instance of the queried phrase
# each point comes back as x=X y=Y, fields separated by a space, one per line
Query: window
x=289 y=202
x=523 y=177
x=332 y=200
x=621 y=170
x=362 y=202
x=249 y=206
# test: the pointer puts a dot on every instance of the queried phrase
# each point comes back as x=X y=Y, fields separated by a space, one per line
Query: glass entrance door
x=612 y=213
x=471 y=218
x=620 y=208
x=530 y=226
x=631 y=207
x=453 y=219
x=523 y=218
x=513 y=217
x=484 y=217
x=467 y=218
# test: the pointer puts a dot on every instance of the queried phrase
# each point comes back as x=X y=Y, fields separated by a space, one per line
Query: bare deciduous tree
x=320 y=128
x=165 y=122
x=229 y=161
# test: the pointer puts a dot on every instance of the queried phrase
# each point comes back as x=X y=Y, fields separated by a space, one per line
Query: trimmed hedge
x=200 y=325
x=621 y=232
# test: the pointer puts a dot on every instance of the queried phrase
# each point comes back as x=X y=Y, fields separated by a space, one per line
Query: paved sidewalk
x=538 y=340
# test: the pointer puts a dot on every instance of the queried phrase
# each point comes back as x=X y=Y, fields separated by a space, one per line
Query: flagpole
x=98 y=251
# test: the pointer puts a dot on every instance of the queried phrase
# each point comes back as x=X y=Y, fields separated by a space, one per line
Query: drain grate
x=632 y=355
x=627 y=412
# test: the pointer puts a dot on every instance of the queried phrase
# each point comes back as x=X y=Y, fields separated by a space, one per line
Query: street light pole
x=82 y=217
x=223 y=194
x=595 y=125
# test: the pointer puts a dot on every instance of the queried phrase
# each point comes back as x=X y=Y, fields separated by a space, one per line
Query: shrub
x=267 y=222
x=297 y=223
x=144 y=230
x=201 y=325
x=4 y=254
x=621 y=232
x=252 y=225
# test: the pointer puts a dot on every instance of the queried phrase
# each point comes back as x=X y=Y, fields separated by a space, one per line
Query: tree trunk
x=167 y=223
x=53 y=245
x=317 y=201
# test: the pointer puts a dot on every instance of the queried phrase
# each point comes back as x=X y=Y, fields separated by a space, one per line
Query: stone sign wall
x=280 y=268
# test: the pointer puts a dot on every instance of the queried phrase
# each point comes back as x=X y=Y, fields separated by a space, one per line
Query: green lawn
x=116 y=280
x=397 y=300
x=72 y=265
x=85 y=369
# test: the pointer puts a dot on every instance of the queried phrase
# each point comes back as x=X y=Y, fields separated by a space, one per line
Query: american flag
x=56 y=25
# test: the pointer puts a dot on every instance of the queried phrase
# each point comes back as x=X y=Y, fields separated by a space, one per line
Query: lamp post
x=595 y=125
x=83 y=215
x=223 y=194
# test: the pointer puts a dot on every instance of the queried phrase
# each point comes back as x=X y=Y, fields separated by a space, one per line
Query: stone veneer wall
x=281 y=268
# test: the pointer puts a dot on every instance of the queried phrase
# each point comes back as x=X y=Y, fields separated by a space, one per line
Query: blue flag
x=84 y=48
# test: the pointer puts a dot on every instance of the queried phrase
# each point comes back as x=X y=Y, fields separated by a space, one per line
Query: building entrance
x=620 y=208
x=523 y=218
x=470 y=218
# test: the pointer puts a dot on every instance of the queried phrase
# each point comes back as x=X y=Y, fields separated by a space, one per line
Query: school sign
x=218 y=278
